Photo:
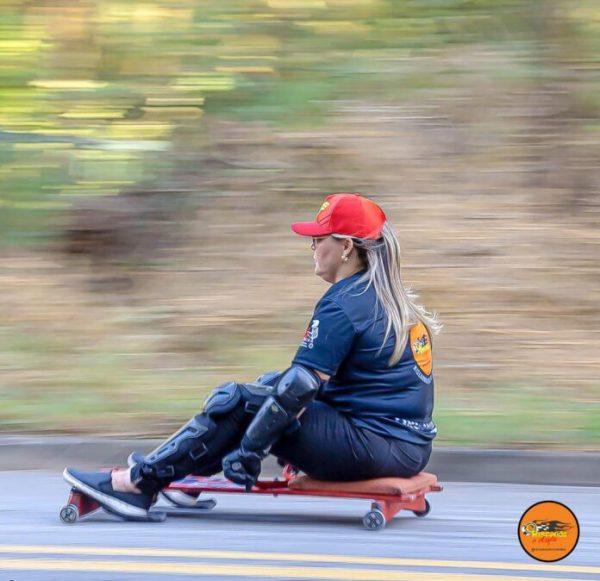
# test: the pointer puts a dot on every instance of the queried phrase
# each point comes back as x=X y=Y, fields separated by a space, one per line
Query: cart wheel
x=69 y=514
x=422 y=513
x=374 y=520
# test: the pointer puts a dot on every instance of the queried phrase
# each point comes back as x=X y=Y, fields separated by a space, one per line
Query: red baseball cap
x=348 y=214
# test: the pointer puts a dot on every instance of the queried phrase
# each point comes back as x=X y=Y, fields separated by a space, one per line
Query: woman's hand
x=242 y=467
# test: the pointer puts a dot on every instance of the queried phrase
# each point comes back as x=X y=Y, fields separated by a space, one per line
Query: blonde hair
x=382 y=259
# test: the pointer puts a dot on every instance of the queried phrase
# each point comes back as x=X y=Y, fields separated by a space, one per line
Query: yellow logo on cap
x=323 y=207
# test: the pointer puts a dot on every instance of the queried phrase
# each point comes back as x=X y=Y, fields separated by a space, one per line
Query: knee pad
x=228 y=396
x=223 y=399
x=269 y=378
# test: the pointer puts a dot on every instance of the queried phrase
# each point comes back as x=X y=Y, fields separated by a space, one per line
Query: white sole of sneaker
x=118 y=506
x=179 y=498
x=134 y=458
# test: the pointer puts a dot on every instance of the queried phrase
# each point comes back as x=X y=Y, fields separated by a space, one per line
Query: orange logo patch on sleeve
x=420 y=345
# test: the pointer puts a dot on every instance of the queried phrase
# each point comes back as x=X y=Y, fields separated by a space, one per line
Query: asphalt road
x=471 y=533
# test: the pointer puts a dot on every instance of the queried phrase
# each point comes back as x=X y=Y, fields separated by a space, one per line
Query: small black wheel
x=422 y=513
x=69 y=514
x=374 y=520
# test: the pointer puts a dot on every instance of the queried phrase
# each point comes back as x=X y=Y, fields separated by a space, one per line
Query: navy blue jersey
x=344 y=340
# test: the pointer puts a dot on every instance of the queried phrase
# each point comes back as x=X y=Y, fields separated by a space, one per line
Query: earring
x=344 y=258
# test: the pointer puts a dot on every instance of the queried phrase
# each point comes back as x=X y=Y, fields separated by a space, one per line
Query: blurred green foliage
x=96 y=96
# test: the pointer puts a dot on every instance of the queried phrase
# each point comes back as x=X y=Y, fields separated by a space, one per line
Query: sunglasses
x=316 y=241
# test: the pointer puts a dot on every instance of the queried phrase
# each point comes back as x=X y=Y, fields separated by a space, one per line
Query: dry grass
x=495 y=238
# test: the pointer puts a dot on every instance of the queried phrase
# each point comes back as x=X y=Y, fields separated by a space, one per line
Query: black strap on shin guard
x=177 y=457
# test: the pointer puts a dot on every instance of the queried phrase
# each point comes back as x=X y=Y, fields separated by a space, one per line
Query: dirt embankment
x=499 y=232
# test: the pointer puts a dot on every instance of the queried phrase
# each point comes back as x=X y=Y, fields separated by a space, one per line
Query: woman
x=356 y=402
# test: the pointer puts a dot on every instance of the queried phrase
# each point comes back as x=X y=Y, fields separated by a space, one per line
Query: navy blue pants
x=327 y=446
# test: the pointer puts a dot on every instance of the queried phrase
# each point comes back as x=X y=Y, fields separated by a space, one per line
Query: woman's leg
x=197 y=447
x=327 y=446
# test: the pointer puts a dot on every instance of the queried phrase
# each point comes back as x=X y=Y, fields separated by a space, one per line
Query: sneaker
x=180 y=498
x=135 y=458
x=98 y=485
x=175 y=497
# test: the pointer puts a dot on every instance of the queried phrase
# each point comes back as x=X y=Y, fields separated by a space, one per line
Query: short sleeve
x=327 y=340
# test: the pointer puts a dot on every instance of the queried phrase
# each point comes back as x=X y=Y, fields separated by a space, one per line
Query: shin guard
x=177 y=457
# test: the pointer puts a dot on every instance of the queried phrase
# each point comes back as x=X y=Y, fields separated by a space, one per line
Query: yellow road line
x=306 y=557
x=211 y=570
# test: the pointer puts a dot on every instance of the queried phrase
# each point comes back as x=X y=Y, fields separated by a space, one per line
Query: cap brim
x=310 y=229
